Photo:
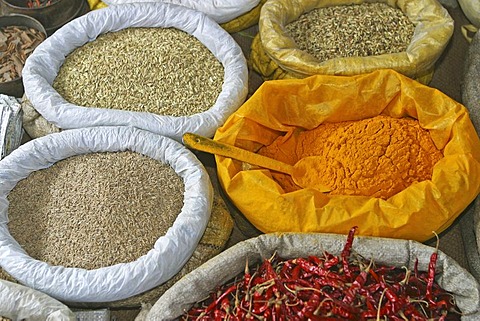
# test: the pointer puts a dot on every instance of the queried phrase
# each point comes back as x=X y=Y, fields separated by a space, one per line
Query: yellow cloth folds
x=280 y=106
x=96 y=4
x=246 y=20
x=275 y=55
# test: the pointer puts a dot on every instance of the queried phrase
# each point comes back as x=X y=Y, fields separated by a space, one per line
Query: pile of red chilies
x=329 y=288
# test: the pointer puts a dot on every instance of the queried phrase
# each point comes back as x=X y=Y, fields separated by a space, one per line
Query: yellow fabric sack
x=96 y=4
x=278 y=107
x=244 y=21
x=274 y=54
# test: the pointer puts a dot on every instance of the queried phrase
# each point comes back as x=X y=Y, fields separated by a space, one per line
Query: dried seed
x=164 y=71
x=95 y=210
x=366 y=29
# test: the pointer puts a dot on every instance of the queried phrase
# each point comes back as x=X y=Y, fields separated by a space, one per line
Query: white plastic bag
x=41 y=69
x=18 y=302
x=119 y=281
x=219 y=10
x=11 y=131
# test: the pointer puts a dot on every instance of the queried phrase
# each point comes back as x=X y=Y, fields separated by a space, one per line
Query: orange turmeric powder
x=376 y=157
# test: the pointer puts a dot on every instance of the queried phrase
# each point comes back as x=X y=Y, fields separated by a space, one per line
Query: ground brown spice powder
x=377 y=157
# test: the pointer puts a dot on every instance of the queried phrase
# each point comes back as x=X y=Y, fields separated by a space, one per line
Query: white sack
x=11 y=130
x=41 y=69
x=18 y=302
x=119 y=281
x=219 y=10
x=196 y=285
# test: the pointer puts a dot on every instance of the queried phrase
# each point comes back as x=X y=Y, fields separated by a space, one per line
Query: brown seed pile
x=164 y=71
x=366 y=29
x=16 y=44
x=95 y=210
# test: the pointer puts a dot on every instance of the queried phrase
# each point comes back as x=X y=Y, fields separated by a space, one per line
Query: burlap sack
x=274 y=54
x=198 y=284
x=470 y=223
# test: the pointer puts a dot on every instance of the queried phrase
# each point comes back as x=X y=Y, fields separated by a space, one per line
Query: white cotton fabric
x=41 y=69
x=18 y=302
x=119 y=281
x=219 y=10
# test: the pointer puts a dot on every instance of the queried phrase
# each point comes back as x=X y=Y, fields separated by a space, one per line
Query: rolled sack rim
x=43 y=64
x=121 y=280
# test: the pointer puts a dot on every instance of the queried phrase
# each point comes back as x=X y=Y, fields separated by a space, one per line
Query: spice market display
x=108 y=213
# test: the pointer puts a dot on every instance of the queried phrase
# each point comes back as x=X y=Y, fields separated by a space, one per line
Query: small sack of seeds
x=116 y=211
x=219 y=10
x=175 y=71
x=11 y=131
x=299 y=38
x=281 y=109
x=18 y=302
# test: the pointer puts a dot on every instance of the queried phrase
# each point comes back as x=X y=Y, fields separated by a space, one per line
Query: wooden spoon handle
x=211 y=146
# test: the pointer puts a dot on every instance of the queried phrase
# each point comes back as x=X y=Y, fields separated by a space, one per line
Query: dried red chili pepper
x=328 y=288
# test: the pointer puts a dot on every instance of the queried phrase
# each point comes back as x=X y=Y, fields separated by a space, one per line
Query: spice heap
x=360 y=30
x=16 y=44
x=164 y=71
x=329 y=287
x=95 y=210
x=377 y=156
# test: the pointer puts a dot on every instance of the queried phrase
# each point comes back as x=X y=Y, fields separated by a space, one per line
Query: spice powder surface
x=377 y=157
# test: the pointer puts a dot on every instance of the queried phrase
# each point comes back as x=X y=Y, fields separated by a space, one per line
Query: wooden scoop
x=302 y=172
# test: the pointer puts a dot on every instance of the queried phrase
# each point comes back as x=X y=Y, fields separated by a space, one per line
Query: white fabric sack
x=219 y=10
x=41 y=69
x=11 y=131
x=196 y=285
x=119 y=281
x=18 y=302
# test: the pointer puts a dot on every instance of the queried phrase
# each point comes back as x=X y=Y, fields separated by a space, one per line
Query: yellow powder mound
x=377 y=157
